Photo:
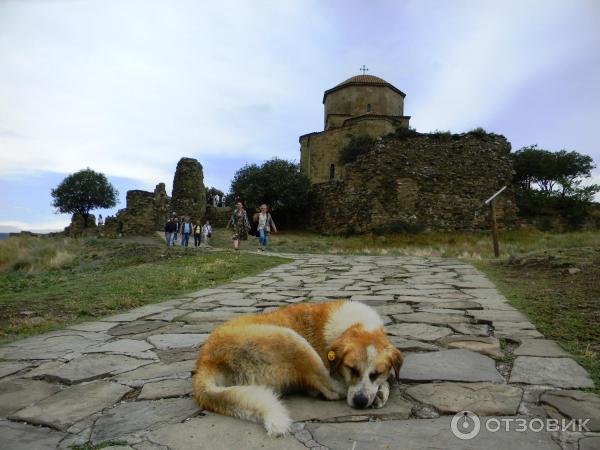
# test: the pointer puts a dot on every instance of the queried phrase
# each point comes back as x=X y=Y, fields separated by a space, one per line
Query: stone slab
x=93 y=326
x=398 y=308
x=238 y=301
x=492 y=316
x=166 y=389
x=121 y=346
x=21 y=436
x=90 y=367
x=177 y=341
x=136 y=328
x=449 y=365
x=589 y=443
x=71 y=405
x=157 y=372
x=18 y=393
x=486 y=345
x=304 y=408
x=128 y=418
x=471 y=329
x=431 y=318
x=418 y=331
x=220 y=433
x=409 y=345
x=559 y=372
x=575 y=405
x=50 y=346
x=484 y=399
x=417 y=434
x=540 y=347
x=9 y=367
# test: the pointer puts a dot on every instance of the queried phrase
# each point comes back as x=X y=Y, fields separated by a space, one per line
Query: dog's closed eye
x=354 y=371
x=374 y=375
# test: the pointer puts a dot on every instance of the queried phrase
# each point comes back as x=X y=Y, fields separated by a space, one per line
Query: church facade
x=363 y=104
x=409 y=180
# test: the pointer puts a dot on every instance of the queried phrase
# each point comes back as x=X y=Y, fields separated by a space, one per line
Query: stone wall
x=422 y=182
x=145 y=213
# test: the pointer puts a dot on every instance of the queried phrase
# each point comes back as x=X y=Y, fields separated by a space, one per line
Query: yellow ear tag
x=331 y=355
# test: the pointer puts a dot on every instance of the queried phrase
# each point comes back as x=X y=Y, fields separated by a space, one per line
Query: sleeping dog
x=337 y=349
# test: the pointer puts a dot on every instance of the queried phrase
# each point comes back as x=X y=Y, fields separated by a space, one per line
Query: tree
x=279 y=184
x=549 y=184
x=551 y=172
x=82 y=192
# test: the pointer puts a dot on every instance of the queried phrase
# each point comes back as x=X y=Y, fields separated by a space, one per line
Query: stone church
x=408 y=180
x=363 y=104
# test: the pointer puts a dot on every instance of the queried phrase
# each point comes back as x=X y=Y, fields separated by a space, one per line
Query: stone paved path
x=126 y=379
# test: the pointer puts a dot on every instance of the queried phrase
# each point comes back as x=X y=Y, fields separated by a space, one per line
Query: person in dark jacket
x=170 y=229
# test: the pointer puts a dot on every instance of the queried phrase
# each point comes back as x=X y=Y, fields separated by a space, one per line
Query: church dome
x=363 y=80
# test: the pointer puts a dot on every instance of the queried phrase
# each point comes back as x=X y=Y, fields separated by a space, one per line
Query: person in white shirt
x=265 y=225
x=206 y=232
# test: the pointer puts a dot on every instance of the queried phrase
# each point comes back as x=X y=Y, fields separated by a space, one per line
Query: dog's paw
x=277 y=424
x=382 y=396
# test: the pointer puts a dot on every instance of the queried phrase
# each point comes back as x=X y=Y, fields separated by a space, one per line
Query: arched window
x=331 y=171
x=368 y=107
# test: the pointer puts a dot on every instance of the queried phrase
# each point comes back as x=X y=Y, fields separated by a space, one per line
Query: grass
x=564 y=307
x=465 y=245
x=102 y=277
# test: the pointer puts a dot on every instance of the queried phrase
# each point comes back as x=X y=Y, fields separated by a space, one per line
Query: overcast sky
x=128 y=87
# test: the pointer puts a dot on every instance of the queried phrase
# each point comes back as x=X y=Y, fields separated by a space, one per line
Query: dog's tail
x=252 y=402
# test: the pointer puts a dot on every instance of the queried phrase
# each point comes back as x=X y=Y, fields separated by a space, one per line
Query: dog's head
x=364 y=360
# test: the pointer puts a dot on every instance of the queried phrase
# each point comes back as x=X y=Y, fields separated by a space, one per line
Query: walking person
x=177 y=227
x=170 y=232
x=197 y=234
x=265 y=225
x=240 y=224
x=207 y=232
x=186 y=230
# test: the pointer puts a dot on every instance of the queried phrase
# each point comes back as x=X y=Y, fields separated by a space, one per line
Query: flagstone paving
x=127 y=377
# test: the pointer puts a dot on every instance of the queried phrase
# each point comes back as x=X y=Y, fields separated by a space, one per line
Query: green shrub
x=358 y=145
x=404 y=133
x=478 y=132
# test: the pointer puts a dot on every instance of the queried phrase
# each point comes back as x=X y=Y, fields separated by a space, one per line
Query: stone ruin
x=147 y=212
x=425 y=182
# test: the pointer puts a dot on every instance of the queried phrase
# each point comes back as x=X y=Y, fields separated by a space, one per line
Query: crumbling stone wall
x=189 y=194
x=432 y=181
x=145 y=213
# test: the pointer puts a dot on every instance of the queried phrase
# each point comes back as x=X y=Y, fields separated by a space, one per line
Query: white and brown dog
x=338 y=349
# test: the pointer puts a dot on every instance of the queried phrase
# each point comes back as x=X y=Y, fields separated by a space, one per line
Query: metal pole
x=494 y=228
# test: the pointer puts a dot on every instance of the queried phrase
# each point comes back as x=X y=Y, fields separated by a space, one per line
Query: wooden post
x=494 y=228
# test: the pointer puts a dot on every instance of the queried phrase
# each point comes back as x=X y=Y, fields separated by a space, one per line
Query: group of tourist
x=216 y=200
x=262 y=225
x=175 y=227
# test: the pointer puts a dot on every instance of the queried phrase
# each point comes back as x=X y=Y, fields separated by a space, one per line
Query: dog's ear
x=396 y=361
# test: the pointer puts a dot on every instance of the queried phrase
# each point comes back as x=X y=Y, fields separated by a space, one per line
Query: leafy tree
x=552 y=172
x=549 y=184
x=358 y=145
x=82 y=192
x=279 y=184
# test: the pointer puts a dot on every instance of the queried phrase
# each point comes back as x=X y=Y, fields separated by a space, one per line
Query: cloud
x=93 y=83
